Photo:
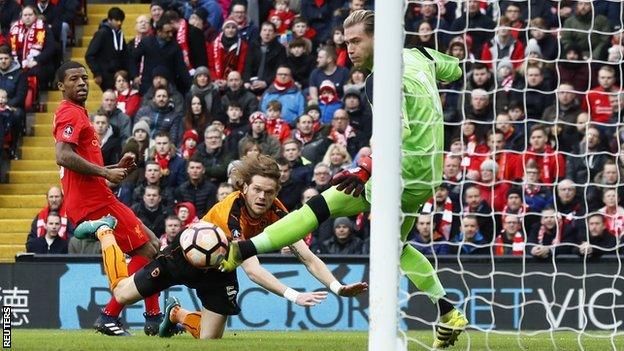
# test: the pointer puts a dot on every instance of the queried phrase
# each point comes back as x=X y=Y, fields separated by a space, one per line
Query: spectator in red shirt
x=613 y=214
x=275 y=124
x=503 y=45
x=597 y=100
x=128 y=99
x=550 y=162
x=227 y=53
x=493 y=191
x=509 y=163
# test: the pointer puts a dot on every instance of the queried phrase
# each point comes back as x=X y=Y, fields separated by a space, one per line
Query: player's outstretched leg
x=423 y=275
x=296 y=225
x=114 y=265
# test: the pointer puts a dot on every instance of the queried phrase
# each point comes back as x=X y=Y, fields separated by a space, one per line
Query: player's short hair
x=366 y=17
x=274 y=105
x=67 y=65
x=115 y=13
x=260 y=165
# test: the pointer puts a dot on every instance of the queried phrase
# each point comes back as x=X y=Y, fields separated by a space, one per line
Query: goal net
x=525 y=231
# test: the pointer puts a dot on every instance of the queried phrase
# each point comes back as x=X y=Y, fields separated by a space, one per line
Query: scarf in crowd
x=42 y=217
x=532 y=189
x=613 y=219
x=341 y=138
x=304 y=139
x=319 y=3
x=546 y=157
x=187 y=152
x=520 y=213
x=182 y=39
x=471 y=143
x=543 y=232
x=225 y=53
x=444 y=226
x=275 y=127
x=283 y=87
x=507 y=82
x=28 y=40
x=163 y=162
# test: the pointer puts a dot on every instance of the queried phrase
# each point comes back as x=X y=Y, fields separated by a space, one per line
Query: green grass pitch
x=63 y=340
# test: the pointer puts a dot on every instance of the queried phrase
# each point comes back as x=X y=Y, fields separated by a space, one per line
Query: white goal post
x=386 y=195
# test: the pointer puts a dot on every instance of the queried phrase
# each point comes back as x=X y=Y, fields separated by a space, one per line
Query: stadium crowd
x=533 y=130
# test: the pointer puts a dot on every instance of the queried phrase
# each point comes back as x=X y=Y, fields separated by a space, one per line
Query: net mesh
x=525 y=230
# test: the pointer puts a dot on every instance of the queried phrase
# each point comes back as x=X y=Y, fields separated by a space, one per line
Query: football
x=204 y=245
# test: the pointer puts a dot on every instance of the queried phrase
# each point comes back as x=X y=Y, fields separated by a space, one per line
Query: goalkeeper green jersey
x=423 y=120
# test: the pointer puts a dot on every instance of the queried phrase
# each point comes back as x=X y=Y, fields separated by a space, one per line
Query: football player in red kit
x=87 y=196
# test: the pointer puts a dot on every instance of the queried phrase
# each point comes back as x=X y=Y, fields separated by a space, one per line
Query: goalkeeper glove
x=351 y=181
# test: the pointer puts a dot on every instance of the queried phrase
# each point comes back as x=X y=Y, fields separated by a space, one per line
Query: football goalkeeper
x=421 y=167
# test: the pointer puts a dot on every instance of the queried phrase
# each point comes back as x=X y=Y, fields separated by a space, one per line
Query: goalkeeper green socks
x=288 y=230
x=419 y=270
x=296 y=225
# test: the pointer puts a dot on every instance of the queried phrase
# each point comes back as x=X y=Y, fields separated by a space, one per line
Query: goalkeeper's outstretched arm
x=446 y=67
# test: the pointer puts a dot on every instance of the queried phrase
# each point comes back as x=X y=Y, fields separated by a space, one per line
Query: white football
x=204 y=245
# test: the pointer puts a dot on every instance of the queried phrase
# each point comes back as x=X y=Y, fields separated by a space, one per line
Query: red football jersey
x=82 y=193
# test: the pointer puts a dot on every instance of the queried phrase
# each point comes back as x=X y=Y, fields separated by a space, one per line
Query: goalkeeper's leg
x=296 y=225
x=419 y=271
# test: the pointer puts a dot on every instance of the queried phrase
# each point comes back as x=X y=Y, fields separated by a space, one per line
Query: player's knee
x=121 y=296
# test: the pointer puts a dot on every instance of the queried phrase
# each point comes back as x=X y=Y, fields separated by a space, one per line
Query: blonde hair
x=261 y=165
x=340 y=149
x=366 y=17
